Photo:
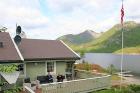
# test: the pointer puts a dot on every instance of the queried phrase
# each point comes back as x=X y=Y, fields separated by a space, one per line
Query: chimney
x=1 y=44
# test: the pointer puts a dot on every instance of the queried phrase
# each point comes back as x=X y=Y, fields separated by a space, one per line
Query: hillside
x=110 y=41
x=84 y=37
x=129 y=50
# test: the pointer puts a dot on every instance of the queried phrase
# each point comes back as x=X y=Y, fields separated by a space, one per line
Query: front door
x=69 y=70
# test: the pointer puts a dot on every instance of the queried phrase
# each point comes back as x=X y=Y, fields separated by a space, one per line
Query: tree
x=111 y=69
x=3 y=29
x=82 y=55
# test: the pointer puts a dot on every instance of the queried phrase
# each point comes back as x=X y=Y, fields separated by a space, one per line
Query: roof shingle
x=8 y=53
x=36 y=49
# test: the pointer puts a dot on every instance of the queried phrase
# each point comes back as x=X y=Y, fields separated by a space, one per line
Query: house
x=36 y=57
x=41 y=56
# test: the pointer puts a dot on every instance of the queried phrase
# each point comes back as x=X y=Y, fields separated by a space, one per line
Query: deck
x=75 y=86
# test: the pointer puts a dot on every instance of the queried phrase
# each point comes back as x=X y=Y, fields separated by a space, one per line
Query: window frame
x=52 y=72
x=69 y=67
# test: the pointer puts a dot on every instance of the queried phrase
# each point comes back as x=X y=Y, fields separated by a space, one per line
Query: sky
x=50 y=19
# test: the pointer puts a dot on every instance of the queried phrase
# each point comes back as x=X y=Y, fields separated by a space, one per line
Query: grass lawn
x=112 y=91
x=115 y=77
x=105 y=91
x=128 y=89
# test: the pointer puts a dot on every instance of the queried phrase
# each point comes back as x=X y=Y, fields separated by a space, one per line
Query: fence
x=78 y=86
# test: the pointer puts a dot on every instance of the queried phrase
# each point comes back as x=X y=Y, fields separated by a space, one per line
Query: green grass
x=128 y=89
x=105 y=91
x=135 y=50
x=115 y=77
x=113 y=91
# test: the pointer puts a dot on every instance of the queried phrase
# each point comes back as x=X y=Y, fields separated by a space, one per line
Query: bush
x=111 y=69
x=8 y=68
x=86 y=66
x=14 y=90
x=135 y=88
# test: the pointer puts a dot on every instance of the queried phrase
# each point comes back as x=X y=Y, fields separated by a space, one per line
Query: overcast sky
x=49 y=19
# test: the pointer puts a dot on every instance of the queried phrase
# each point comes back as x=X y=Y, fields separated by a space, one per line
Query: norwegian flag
x=122 y=14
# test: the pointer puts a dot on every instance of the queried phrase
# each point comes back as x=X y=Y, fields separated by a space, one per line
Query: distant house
x=36 y=57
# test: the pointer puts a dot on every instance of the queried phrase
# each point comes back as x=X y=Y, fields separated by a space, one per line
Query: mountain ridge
x=110 y=41
x=83 y=37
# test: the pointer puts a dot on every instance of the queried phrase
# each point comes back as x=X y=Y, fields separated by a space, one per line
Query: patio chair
x=28 y=83
x=69 y=76
x=27 y=80
x=60 y=78
x=42 y=79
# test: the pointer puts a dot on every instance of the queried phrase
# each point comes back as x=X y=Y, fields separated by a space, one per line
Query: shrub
x=111 y=69
x=14 y=90
x=135 y=88
x=86 y=66
x=8 y=68
x=128 y=89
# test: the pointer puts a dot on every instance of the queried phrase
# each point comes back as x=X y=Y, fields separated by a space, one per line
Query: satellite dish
x=18 y=30
x=17 y=39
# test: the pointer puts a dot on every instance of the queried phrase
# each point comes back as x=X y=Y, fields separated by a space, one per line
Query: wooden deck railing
x=78 y=86
x=28 y=89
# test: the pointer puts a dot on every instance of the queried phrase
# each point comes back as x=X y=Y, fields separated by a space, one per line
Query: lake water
x=131 y=62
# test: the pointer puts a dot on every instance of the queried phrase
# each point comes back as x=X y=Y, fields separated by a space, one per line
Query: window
x=50 y=66
x=1 y=44
x=69 y=67
x=69 y=72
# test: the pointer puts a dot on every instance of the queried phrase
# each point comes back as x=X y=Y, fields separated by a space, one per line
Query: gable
x=8 y=51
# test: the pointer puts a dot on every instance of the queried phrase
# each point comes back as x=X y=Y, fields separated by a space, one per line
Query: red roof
x=8 y=53
x=36 y=49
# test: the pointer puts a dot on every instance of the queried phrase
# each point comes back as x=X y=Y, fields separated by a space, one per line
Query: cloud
x=24 y=12
x=49 y=19
x=70 y=5
x=73 y=17
x=132 y=10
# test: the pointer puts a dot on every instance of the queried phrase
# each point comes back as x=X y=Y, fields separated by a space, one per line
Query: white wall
x=131 y=62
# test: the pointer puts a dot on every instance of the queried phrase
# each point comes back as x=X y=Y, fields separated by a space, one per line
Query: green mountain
x=84 y=37
x=110 y=41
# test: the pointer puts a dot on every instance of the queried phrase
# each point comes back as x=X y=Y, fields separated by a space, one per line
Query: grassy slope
x=129 y=50
x=110 y=41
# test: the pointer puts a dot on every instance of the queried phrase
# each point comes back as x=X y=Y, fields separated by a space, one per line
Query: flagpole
x=122 y=52
x=122 y=58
